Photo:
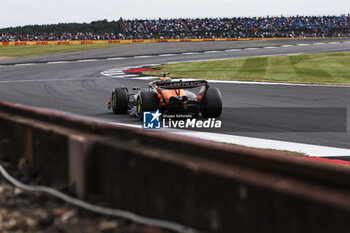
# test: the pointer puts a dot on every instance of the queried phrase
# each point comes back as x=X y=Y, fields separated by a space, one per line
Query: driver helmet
x=166 y=79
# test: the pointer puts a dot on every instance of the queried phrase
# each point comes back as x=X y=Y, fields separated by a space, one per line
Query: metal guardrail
x=208 y=186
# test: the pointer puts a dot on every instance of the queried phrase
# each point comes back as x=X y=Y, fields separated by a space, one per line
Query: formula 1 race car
x=170 y=97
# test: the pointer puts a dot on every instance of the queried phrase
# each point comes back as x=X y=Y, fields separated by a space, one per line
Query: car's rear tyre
x=120 y=100
x=212 y=103
x=147 y=102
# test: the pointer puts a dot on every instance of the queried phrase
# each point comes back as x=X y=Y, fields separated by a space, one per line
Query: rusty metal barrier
x=205 y=185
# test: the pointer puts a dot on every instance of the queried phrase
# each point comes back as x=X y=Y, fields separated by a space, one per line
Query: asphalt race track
x=73 y=83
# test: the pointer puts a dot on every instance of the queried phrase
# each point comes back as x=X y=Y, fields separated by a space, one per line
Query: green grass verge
x=36 y=50
x=320 y=68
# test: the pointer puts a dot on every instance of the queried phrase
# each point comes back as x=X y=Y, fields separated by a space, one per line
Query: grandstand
x=253 y=27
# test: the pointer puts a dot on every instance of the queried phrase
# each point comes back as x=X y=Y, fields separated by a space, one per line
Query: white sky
x=24 y=12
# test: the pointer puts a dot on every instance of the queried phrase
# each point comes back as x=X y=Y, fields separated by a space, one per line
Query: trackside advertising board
x=75 y=42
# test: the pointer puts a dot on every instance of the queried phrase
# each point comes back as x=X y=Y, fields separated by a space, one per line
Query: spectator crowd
x=253 y=27
x=257 y=27
x=58 y=36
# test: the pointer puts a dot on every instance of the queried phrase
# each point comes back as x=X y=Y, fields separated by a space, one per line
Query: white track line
x=190 y=53
x=58 y=62
x=26 y=64
x=309 y=149
x=212 y=51
x=87 y=60
x=171 y=62
x=126 y=67
x=233 y=50
x=270 y=47
x=116 y=58
x=294 y=54
x=124 y=76
x=152 y=65
x=167 y=55
x=115 y=70
x=141 y=56
x=115 y=73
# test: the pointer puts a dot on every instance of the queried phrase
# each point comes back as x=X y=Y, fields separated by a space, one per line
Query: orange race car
x=169 y=96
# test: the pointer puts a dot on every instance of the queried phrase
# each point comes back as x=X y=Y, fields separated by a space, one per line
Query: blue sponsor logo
x=151 y=120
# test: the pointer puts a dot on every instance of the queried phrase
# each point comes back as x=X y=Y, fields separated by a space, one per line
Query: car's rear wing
x=180 y=84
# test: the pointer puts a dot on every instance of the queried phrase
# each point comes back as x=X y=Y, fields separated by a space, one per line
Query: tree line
x=96 y=27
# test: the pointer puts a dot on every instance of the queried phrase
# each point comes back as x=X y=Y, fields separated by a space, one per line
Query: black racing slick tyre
x=147 y=101
x=212 y=103
x=120 y=100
